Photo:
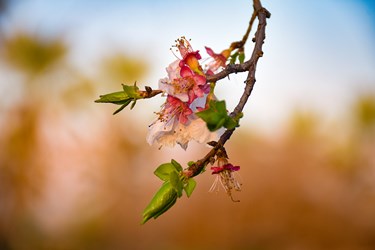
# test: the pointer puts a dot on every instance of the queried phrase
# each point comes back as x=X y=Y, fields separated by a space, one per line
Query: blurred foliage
x=303 y=124
x=76 y=94
x=31 y=54
x=120 y=68
x=364 y=112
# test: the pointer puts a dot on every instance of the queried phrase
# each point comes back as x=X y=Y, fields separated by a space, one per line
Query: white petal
x=164 y=85
x=168 y=134
x=182 y=96
x=199 y=132
x=167 y=87
x=159 y=129
x=173 y=70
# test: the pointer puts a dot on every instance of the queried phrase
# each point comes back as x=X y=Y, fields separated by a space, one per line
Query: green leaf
x=133 y=104
x=176 y=165
x=122 y=107
x=233 y=58
x=216 y=116
x=190 y=186
x=241 y=57
x=116 y=98
x=132 y=91
x=230 y=123
x=164 y=199
x=176 y=183
x=164 y=170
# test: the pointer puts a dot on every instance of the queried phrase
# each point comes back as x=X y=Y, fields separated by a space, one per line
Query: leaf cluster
x=123 y=98
x=216 y=116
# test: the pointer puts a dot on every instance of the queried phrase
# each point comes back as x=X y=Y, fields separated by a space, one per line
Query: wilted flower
x=218 y=60
x=226 y=177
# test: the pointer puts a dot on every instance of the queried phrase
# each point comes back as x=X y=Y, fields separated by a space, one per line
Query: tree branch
x=249 y=66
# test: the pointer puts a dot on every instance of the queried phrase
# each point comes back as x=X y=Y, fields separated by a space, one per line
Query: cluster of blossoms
x=187 y=91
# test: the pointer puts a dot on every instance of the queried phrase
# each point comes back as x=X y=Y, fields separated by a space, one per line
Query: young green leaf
x=241 y=57
x=118 y=98
x=190 y=186
x=164 y=170
x=164 y=199
x=233 y=58
x=176 y=183
x=216 y=116
x=126 y=103
x=132 y=91
x=176 y=165
x=230 y=123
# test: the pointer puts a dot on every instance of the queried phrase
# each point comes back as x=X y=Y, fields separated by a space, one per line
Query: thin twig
x=241 y=44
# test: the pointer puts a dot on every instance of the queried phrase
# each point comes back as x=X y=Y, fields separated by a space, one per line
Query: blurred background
x=72 y=176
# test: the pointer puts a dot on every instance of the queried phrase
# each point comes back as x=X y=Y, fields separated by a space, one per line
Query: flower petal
x=186 y=71
x=173 y=70
x=209 y=51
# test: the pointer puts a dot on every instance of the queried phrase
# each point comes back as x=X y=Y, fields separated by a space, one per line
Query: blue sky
x=318 y=54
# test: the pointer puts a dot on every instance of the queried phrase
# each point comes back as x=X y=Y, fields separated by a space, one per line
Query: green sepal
x=190 y=186
x=164 y=199
x=216 y=116
x=176 y=183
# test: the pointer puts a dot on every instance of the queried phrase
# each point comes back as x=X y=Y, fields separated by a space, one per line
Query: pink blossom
x=187 y=93
x=189 y=56
x=187 y=87
x=174 y=107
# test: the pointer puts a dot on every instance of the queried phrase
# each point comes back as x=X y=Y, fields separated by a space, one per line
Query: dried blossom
x=218 y=60
x=226 y=177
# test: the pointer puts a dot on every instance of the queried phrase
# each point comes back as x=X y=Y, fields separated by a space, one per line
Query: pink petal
x=197 y=55
x=199 y=79
x=185 y=71
x=205 y=88
x=216 y=170
x=230 y=167
x=210 y=51
x=192 y=96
